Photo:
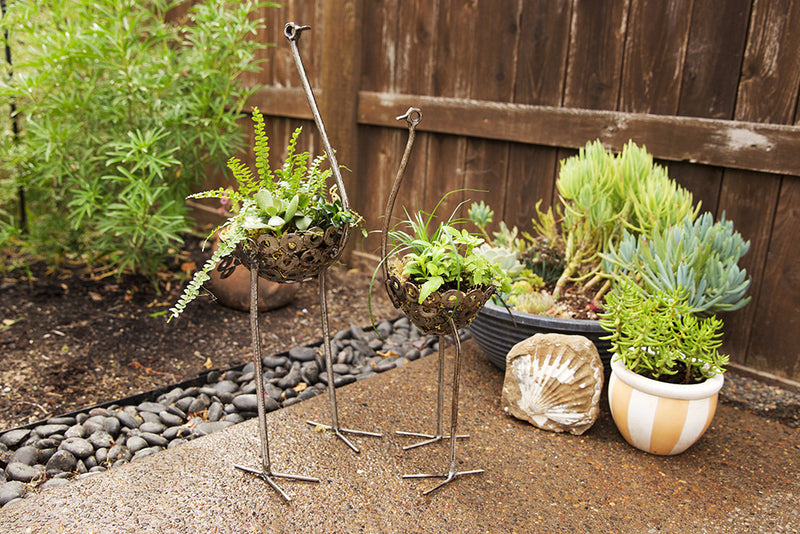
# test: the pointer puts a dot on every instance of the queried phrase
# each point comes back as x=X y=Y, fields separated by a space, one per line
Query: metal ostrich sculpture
x=294 y=258
x=442 y=313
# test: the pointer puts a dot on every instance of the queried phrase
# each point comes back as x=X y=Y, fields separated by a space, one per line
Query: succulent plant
x=505 y=258
x=656 y=334
x=603 y=196
x=529 y=261
x=536 y=302
x=699 y=257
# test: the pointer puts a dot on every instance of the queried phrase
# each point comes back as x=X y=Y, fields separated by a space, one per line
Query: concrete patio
x=743 y=476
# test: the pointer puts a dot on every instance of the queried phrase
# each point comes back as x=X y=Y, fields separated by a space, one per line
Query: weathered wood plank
x=544 y=38
x=771 y=67
x=713 y=58
x=341 y=73
x=752 y=201
x=703 y=181
x=378 y=148
x=775 y=336
x=654 y=55
x=452 y=77
x=498 y=38
x=772 y=148
x=415 y=49
x=597 y=36
x=749 y=200
x=708 y=83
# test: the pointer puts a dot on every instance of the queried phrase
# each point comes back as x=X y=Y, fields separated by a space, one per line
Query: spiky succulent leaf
x=699 y=257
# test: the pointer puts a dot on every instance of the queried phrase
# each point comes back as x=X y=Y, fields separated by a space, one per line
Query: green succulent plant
x=530 y=300
x=607 y=202
x=698 y=257
x=603 y=195
x=657 y=335
x=525 y=258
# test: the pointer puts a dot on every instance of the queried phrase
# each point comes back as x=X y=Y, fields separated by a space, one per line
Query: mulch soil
x=73 y=339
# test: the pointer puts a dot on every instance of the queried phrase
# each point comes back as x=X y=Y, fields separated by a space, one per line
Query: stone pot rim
x=575 y=325
x=702 y=390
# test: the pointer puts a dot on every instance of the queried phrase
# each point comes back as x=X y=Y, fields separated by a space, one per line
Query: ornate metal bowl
x=433 y=315
x=293 y=257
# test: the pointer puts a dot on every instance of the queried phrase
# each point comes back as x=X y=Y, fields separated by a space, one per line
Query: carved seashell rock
x=554 y=382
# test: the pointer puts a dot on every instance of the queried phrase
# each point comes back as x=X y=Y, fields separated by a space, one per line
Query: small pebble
x=79 y=447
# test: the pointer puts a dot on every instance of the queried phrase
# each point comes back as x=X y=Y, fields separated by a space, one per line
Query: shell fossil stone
x=554 y=382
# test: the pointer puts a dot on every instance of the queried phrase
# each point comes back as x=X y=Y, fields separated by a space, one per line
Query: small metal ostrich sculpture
x=442 y=313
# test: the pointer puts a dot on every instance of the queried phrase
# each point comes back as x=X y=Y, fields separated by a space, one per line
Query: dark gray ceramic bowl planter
x=495 y=333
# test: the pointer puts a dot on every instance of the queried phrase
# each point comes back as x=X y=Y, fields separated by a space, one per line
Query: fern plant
x=292 y=198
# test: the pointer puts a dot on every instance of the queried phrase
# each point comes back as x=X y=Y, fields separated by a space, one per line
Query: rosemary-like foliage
x=657 y=334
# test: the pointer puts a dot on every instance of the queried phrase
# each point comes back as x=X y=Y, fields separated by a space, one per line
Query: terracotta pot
x=658 y=417
x=233 y=291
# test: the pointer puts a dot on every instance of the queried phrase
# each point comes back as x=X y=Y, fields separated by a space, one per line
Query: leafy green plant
x=698 y=257
x=657 y=335
x=292 y=198
x=530 y=262
x=122 y=111
x=441 y=256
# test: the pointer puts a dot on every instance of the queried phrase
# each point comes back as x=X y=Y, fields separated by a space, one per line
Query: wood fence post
x=341 y=79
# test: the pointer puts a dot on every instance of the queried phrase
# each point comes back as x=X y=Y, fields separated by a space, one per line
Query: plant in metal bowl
x=441 y=273
x=287 y=207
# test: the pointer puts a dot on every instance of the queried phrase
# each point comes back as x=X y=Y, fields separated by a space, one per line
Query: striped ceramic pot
x=657 y=417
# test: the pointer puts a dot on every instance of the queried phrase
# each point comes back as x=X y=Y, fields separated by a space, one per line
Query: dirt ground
x=70 y=339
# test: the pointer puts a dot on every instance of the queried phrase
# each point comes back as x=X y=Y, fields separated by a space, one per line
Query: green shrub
x=121 y=112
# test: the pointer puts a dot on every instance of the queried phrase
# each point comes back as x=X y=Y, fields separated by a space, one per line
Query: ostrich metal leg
x=265 y=473
x=326 y=343
x=451 y=474
x=439 y=436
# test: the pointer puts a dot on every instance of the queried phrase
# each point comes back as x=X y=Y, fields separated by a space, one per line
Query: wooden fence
x=510 y=87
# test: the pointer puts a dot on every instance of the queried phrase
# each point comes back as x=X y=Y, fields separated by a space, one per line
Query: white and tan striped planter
x=657 y=417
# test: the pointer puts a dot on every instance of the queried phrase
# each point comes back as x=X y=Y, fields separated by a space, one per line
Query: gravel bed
x=53 y=452
x=761 y=398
